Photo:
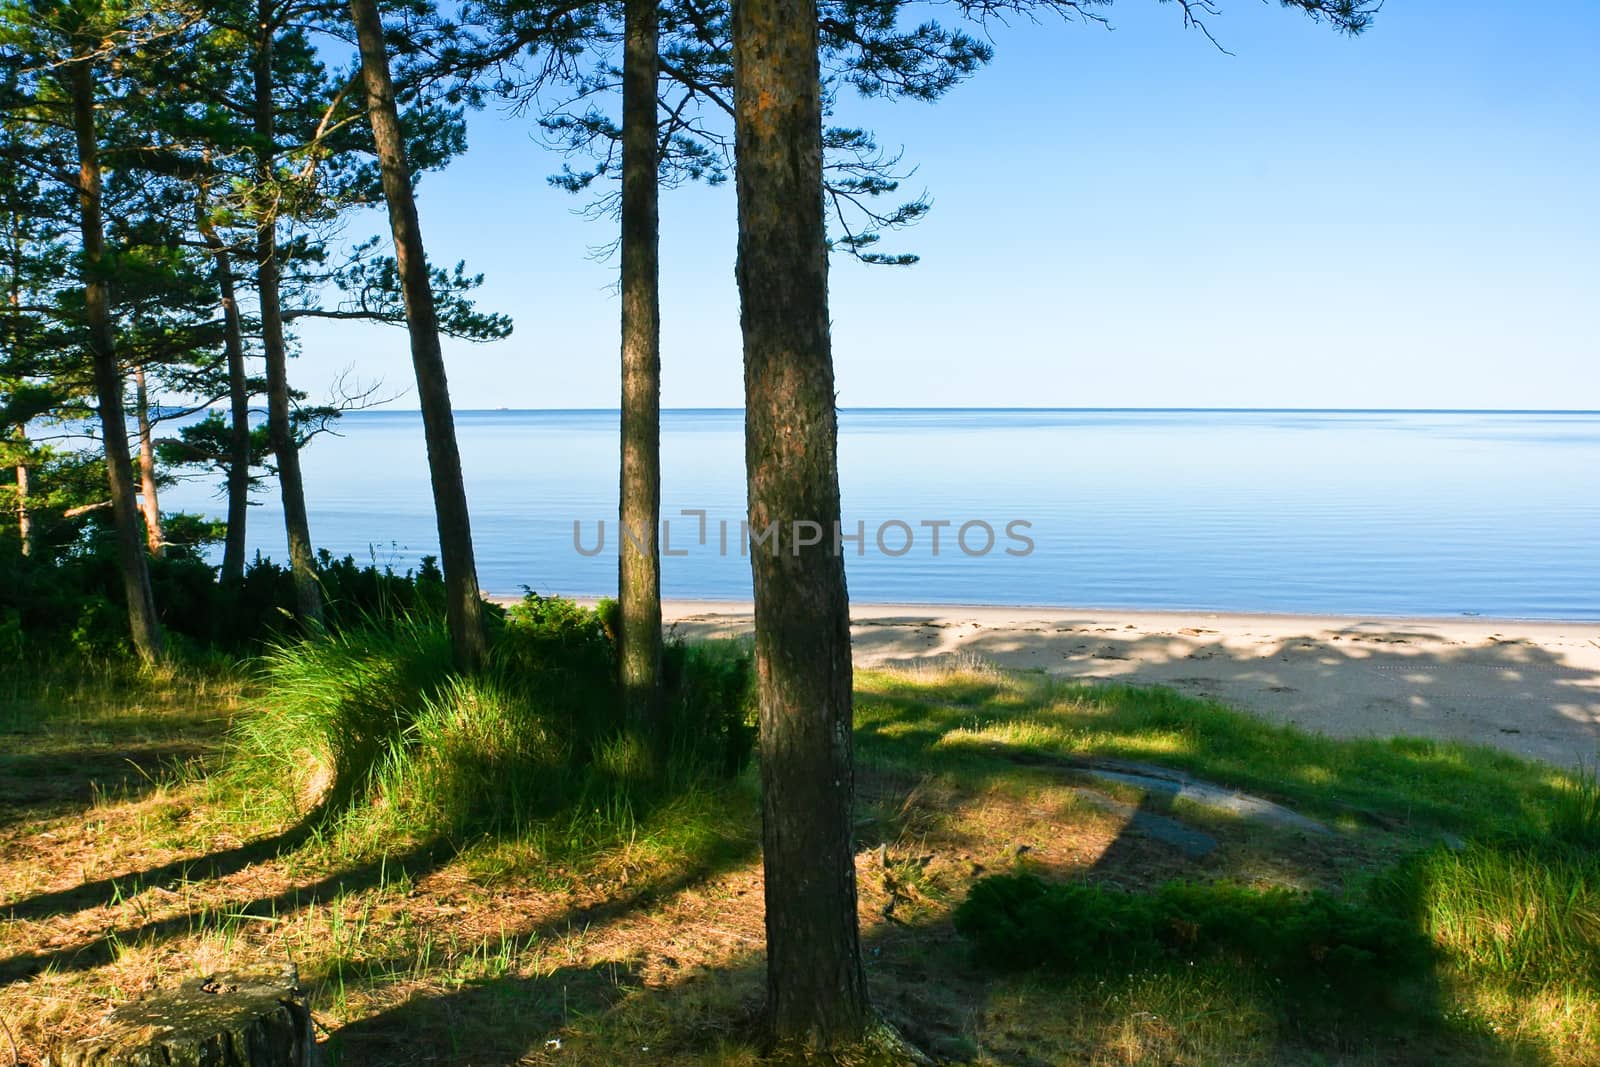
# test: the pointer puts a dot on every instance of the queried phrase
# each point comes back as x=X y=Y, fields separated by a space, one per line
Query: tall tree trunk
x=14 y=299
x=149 y=498
x=463 y=603
x=24 y=510
x=816 y=990
x=142 y=622
x=239 y=408
x=639 y=561
x=280 y=431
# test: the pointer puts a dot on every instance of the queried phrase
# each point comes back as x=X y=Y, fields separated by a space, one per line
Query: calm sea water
x=1381 y=513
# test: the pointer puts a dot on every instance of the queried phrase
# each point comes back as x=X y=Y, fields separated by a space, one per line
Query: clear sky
x=1410 y=218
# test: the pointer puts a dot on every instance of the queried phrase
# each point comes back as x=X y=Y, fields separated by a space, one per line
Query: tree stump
x=227 y=1020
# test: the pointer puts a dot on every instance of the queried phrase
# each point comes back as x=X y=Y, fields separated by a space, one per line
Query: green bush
x=371 y=727
x=709 y=704
x=1021 y=922
x=553 y=634
x=481 y=756
x=75 y=602
x=341 y=705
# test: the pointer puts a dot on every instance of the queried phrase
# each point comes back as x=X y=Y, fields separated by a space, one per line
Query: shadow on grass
x=603 y=1012
x=1400 y=680
x=497 y=1021
x=921 y=974
x=966 y=724
x=40 y=785
x=190 y=869
x=413 y=863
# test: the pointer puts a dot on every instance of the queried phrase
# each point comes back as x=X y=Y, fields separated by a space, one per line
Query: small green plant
x=1575 y=812
x=481 y=755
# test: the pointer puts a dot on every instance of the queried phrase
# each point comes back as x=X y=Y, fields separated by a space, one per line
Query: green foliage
x=369 y=729
x=484 y=754
x=341 y=703
x=1019 y=922
x=544 y=631
x=1575 y=813
x=208 y=445
x=709 y=704
x=1526 y=912
x=369 y=287
x=75 y=605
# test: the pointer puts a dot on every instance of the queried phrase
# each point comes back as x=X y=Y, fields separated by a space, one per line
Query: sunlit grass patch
x=1420 y=784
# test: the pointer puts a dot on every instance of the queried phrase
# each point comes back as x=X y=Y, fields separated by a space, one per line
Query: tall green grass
x=371 y=732
x=1522 y=912
x=338 y=707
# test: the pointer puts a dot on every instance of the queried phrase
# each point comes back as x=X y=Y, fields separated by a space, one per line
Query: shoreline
x=1531 y=687
x=683 y=607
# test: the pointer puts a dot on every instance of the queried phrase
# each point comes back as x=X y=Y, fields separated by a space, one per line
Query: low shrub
x=1021 y=922
x=74 y=605
x=709 y=703
x=371 y=728
x=340 y=706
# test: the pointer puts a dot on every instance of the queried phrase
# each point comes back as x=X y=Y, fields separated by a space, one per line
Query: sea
x=1369 y=513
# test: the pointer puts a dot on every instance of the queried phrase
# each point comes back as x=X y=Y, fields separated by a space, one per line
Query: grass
x=591 y=923
x=1410 y=784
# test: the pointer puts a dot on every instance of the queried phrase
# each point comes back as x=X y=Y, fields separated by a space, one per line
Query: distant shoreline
x=683 y=607
x=870 y=409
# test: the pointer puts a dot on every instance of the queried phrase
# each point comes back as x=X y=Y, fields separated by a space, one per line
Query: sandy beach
x=1528 y=687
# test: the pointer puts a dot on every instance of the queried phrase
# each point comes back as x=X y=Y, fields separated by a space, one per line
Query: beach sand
x=1528 y=687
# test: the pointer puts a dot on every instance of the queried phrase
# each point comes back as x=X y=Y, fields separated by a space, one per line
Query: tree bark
x=142 y=622
x=14 y=300
x=280 y=431
x=463 y=602
x=24 y=512
x=639 y=557
x=239 y=408
x=149 y=497
x=816 y=989
x=220 y=1020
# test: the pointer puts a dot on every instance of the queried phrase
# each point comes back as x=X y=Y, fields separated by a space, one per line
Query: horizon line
x=1038 y=409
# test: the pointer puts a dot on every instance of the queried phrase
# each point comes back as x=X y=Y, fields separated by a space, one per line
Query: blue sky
x=1129 y=217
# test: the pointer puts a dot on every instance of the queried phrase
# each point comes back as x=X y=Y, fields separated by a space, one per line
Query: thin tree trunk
x=24 y=512
x=816 y=989
x=149 y=498
x=463 y=602
x=280 y=431
x=239 y=409
x=142 y=623
x=639 y=561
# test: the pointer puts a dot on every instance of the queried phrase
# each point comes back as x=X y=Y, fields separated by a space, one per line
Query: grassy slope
x=607 y=936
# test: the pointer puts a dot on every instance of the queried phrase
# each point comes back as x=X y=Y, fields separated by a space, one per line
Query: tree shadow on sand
x=1354 y=679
